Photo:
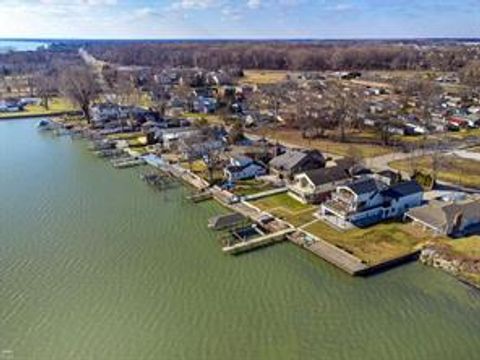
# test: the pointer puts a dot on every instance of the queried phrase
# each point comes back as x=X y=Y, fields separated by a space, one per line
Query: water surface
x=96 y=265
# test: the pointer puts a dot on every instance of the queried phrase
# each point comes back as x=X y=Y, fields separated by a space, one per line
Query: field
x=295 y=138
x=375 y=244
x=453 y=169
x=287 y=208
x=57 y=105
x=262 y=77
x=210 y=118
x=469 y=247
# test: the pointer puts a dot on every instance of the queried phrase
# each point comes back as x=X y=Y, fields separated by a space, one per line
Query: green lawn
x=376 y=244
x=280 y=201
x=56 y=105
x=287 y=208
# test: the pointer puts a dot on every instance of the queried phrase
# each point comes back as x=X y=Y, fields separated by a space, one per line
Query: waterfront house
x=316 y=186
x=367 y=201
x=242 y=168
x=294 y=162
x=452 y=218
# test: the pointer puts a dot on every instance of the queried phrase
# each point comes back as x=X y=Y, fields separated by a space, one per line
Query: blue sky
x=239 y=18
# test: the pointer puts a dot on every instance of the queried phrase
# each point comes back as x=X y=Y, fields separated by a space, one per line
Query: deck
x=257 y=242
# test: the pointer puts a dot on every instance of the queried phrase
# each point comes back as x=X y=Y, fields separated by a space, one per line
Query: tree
x=45 y=87
x=470 y=75
x=344 y=106
x=80 y=86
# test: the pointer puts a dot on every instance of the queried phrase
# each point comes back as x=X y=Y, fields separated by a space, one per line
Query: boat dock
x=125 y=163
x=258 y=242
x=201 y=196
x=328 y=252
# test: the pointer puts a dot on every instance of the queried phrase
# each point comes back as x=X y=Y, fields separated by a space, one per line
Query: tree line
x=289 y=55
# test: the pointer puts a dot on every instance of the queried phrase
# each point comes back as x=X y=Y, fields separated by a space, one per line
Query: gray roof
x=327 y=175
x=443 y=216
x=365 y=186
x=292 y=158
x=403 y=189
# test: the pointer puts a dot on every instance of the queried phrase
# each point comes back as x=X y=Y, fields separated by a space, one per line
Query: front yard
x=56 y=105
x=251 y=187
x=375 y=244
x=287 y=208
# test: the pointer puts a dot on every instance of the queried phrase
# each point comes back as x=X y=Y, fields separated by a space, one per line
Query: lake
x=18 y=45
x=94 y=264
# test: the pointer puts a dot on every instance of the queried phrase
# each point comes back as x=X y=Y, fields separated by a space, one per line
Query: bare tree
x=45 y=87
x=80 y=86
x=344 y=105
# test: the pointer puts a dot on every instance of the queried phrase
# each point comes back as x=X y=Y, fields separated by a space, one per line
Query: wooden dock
x=329 y=252
x=257 y=242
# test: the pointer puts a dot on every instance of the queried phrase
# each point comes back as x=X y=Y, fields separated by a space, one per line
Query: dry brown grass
x=453 y=169
x=294 y=137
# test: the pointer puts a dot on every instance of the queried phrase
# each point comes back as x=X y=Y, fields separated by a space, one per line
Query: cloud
x=254 y=4
x=194 y=4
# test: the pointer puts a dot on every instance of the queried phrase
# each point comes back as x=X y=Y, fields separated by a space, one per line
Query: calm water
x=9 y=45
x=96 y=265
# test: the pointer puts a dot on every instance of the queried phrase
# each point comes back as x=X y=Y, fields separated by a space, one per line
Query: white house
x=242 y=168
x=368 y=201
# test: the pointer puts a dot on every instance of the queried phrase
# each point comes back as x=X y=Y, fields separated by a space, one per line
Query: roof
x=443 y=216
x=403 y=189
x=364 y=186
x=327 y=175
x=292 y=158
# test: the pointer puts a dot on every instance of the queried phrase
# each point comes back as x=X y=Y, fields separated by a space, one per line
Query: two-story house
x=368 y=201
x=242 y=168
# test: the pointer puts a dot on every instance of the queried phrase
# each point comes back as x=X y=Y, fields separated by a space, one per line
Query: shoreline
x=324 y=250
x=37 y=116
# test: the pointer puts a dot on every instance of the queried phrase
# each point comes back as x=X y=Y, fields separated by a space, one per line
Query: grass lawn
x=197 y=166
x=262 y=77
x=125 y=136
x=294 y=137
x=453 y=169
x=375 y=244
x=210 y=118
x=56 y=105
x=287 y=208
x=463 y=134
x=250 y=187
x=469 y=247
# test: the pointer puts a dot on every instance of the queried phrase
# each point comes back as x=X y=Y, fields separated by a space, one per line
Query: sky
x=179 y=19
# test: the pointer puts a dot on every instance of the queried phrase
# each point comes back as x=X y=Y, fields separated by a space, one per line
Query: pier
x=258 y=242
x=328 y=252
x=125 y=163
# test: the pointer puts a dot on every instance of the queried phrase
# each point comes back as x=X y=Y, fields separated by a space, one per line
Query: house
x=205 y=105
x=242 y=168
x=367 y=201
x=316 y=186
x=452 y=218
x=294 y=162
